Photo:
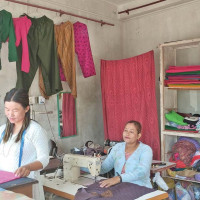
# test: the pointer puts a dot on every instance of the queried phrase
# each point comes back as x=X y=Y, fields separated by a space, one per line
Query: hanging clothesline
x=61 y=12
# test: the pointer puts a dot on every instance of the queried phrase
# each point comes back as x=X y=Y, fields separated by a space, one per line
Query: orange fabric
x=183 y=86
x=64 y=34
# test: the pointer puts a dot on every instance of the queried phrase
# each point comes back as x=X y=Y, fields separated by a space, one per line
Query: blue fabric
x=137 y=167
x=21 y=148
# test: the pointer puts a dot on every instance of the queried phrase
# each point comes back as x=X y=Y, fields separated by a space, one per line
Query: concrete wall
x=105 y=44
x=144 y=33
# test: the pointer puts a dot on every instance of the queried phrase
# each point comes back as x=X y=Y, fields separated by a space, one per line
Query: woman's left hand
x=22 y=171
x=109 y=182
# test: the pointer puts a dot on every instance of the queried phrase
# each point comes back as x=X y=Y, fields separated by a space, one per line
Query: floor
x=49 y=196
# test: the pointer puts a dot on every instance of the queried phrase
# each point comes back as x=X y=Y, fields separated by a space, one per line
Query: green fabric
x=182 y=73
x=42 y=53
x=7 y=31
x=177 y=129
x=174 y=117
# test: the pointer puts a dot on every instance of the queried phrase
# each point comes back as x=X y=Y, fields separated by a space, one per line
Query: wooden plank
x=182 y=43
x=179 y=133
x=183 y=88
x=160 y=197
x=58 y=193
x=18 y=183
x=26 y=190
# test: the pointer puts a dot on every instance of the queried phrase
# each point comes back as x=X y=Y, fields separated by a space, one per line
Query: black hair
x=18 y=96
x=137 y=125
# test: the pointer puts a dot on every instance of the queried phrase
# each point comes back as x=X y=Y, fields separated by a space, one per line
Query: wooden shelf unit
x=169 y=95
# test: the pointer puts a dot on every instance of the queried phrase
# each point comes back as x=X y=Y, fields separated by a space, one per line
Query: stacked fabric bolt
x=183 y=76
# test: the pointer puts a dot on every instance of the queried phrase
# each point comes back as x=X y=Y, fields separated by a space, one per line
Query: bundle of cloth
x=177 y=121
x=183 y=76
x=186 y=154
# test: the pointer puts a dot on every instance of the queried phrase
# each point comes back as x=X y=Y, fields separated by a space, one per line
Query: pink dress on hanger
x=83 y=49
x=22 y=26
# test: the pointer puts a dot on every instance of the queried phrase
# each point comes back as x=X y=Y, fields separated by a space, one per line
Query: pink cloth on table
x=174 y=69
x=22 y=26
x=83 y=49
x=7 y=176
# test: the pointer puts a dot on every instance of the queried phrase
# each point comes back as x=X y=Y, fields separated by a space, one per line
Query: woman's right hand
x=23 y=171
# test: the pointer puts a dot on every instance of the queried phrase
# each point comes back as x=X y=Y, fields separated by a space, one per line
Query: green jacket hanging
x=7 y=31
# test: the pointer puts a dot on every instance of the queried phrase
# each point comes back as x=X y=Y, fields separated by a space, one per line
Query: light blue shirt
x=137 y=167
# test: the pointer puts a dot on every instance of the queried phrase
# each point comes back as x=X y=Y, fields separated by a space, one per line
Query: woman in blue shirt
x=130 y=159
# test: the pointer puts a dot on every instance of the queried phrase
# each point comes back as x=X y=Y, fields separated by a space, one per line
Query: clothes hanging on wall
x=64 y=34
x=68 y=115
x=128 y=93
x=7 y=30
x=43 y=53
x=22 y=26
x=34 y=38
x=83 y=49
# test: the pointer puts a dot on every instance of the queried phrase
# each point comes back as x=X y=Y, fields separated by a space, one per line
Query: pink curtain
x=128 y=93
x=68 y=115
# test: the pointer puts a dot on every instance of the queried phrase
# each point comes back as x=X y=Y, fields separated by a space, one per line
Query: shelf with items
x=178 y=98
x=183 y=88
x=181 y=133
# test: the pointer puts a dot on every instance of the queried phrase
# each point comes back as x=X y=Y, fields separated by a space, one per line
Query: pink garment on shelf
x=7 y=176
x=22 y=26
x=186 y=77
x=182 y=82
x=83 y=49
x=68 y=115
x=175 y=69
x=128 y=93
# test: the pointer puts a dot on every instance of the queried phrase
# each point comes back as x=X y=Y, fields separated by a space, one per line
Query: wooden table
x=68 y=190
x=162 y=167
x=22 y=185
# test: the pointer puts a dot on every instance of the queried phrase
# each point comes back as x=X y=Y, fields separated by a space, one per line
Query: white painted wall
x=144 y=33
x=105 y=44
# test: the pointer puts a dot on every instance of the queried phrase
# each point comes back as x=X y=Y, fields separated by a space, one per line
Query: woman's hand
x=109 y=182
x=23 y=171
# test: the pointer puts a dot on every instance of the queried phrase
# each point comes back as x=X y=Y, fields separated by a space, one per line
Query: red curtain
x=128 y=93
x=68 y=115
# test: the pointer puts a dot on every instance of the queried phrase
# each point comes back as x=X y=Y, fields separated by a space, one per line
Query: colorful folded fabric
x=174 y=69
x=184 y=86
x=183 y=73
x=174 y=117
x=176 y=129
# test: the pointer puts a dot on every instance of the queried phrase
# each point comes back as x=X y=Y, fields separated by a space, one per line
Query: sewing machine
x=73 y=162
